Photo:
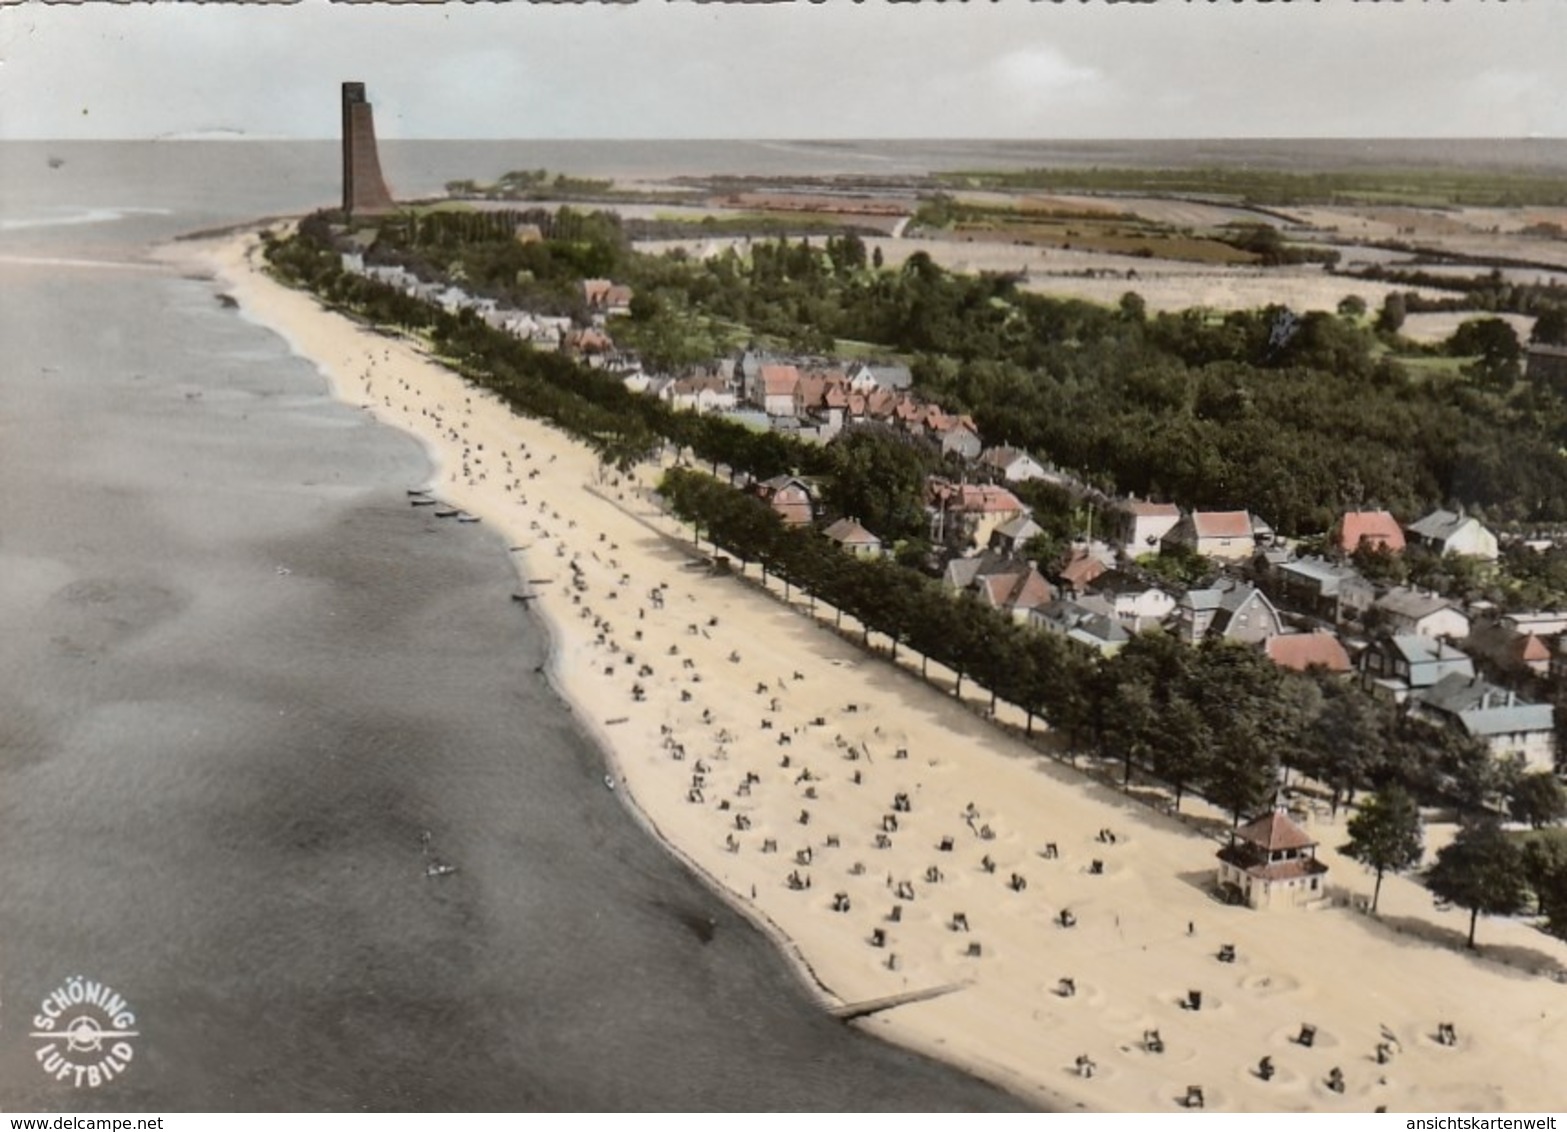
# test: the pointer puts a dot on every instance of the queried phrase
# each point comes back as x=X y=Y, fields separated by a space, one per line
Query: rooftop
x=1302 y=651
x=1222 y=524
x=1274 y=831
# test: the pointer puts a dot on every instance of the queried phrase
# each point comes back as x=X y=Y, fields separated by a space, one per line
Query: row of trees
x=1041 y=674
x=1220 y=718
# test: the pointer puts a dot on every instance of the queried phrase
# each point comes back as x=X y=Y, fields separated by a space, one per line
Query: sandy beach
x=896 y=844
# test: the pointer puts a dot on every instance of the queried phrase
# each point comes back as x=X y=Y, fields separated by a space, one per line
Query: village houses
x=1506 y=724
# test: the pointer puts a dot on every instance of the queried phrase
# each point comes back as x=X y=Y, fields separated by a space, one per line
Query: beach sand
x=761 y=744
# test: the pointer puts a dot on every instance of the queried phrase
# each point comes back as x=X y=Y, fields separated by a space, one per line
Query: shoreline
x=1007 y=1025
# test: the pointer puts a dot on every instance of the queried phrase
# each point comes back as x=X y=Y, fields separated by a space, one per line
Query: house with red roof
x=1369 y=530
x=1226 y=535
x=1001 y=583
x=1081 y=568
x=604 y=296
x=778 y=384
x=976 y=509
x=1272 y=863
x=588 y=344
x=1301 y=652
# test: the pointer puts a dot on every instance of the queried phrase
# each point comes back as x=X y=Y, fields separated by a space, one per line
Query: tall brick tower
x=364 y=192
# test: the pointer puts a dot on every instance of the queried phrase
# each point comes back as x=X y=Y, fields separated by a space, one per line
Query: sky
x=656 y=69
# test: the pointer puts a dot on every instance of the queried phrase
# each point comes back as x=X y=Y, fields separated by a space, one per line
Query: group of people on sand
x=713 y=714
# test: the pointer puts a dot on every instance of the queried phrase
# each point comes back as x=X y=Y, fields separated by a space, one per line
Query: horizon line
x=240 y=136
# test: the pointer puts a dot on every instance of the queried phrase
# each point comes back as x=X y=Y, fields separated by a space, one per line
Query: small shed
x=1272 y=863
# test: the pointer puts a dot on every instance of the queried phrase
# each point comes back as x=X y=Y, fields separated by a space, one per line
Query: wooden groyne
x=849 y=1011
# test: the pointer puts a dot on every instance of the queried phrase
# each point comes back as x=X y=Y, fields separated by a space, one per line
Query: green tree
x=878 y=479
x=1352 y=307
x=1386 y=836
x=1545 y=864
x=1538 y=799
x=1394 y=310
x=1133 y=308
x=1346 y=742
x=1180 y=757
x=1550 y=328
x=1493 y=344
x=1483 y=871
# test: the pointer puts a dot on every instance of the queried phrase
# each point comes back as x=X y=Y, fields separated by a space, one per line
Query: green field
x=1427 y=188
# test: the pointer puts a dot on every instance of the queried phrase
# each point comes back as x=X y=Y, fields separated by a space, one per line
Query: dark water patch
x=221 y=811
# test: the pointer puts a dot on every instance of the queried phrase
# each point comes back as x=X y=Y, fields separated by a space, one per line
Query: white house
x=1449 y=532
x=704 y=394
x=1137 y=603
x=778 y=384
x=1227 y=535
x=853 y=538
x=1012 y=464
x=1272 y=863
x=1141 y=524
x=1410 y=611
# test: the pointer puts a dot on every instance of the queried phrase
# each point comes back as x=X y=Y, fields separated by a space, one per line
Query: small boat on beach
x=418 y=491
x=439 y=869
x=446 y=513
x=422 y=502
x=609 y=781
x=464 y=517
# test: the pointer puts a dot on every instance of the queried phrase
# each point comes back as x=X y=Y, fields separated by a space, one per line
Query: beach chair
x=1193 y=1098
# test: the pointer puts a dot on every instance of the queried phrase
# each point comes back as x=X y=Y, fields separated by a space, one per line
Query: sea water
x=241 y=678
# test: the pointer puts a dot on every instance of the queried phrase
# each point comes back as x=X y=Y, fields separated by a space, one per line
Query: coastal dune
x=909 y=855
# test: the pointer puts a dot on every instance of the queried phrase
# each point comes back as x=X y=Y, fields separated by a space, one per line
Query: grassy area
x=1425 y=188
x=1433 y=367
x=1553 y=833
x=1025 y=222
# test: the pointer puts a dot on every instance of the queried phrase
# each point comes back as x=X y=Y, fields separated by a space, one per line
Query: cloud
x=1044 y=72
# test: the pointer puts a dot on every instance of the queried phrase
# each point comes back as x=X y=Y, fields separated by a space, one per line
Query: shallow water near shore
x=242 y=678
